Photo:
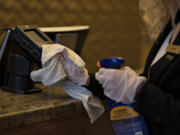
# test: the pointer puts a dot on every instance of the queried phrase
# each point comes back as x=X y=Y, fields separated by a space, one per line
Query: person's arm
x=95 y=87
x=159 y=106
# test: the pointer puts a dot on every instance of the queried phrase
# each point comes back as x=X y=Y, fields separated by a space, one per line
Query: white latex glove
x=120 y=84
x=74 y=73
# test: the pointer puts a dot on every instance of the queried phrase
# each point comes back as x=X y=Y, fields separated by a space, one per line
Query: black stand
x=17 y=76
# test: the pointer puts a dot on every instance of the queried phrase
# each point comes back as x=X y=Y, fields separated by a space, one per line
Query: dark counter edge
x=20 y=119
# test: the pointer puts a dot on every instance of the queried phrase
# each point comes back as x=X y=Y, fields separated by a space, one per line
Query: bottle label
x=123 y=112
x=126 y=121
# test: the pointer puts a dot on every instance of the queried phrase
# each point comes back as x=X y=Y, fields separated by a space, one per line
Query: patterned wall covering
x=114 y=24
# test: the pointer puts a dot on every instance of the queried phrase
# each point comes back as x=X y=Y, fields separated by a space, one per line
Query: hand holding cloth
x=61 y=67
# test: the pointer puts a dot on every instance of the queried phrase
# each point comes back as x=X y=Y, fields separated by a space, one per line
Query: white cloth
x=53 y=73
x=52 y=68
x=120 y=84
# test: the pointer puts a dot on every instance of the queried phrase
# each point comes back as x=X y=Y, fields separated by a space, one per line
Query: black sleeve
x=95 y=87
x=159 y=106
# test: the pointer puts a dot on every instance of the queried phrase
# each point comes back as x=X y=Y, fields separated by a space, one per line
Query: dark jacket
x=159 y=98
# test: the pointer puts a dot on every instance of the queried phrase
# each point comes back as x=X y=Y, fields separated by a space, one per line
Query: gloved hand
x=120 y=84
x=74 y=73
x=59 y=63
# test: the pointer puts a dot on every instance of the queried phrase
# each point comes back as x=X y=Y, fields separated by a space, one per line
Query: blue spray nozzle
x=113 y=62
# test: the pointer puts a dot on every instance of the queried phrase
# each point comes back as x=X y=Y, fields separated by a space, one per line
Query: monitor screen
x=67 y=39
x=72 y=37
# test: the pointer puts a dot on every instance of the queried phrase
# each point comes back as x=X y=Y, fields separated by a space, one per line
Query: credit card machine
x=20 y=51
x=30 y=40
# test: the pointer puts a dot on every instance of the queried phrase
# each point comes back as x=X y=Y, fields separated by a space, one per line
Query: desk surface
x=21 y=110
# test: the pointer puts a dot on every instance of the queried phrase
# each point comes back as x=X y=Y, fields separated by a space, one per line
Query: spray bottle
x=124 y=119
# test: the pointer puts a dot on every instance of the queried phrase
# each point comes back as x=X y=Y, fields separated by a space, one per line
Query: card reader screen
x=35 y=35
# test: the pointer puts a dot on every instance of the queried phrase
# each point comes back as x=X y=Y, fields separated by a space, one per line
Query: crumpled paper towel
x=52 y=74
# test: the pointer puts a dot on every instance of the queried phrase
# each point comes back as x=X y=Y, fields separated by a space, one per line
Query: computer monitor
x=4 y=48
x=72 y=37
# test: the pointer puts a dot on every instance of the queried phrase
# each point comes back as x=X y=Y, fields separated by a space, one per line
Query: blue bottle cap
x=113 y=62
